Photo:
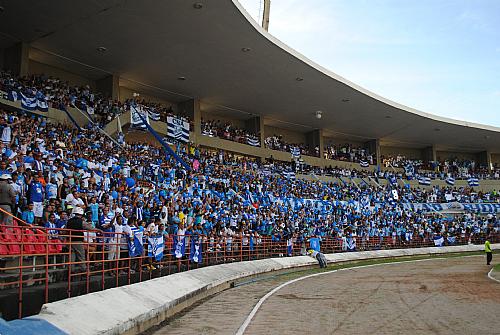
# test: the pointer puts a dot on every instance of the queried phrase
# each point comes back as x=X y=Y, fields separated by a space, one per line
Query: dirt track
x=452 y=296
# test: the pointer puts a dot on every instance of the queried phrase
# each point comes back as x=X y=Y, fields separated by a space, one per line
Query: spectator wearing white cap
x=7 y=199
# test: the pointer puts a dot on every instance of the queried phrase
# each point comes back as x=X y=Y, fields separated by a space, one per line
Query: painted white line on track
x=250 y=316
x=491 y=277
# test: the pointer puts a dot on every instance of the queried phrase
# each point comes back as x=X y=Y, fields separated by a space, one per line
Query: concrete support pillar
x=484 y=159
x=315 y=139
x=429 y=154
x=256 y=125
x=192 y=109
x=16 y=59
x=109 y=85
x=373 y=147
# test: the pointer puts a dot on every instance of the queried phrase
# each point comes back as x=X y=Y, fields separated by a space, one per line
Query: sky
x=437 y=56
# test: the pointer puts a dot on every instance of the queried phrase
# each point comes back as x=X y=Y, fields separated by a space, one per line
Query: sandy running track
x=441 y=296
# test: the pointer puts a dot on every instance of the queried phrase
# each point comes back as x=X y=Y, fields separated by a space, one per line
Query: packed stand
x=58 y=93
x=349 y=153
x=227 y=131
x=276 y=142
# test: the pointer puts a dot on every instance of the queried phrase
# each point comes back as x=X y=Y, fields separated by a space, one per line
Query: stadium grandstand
x=143 y=140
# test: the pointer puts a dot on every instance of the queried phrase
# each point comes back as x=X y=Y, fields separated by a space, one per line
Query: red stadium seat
x=55 y=246
x=41 y=246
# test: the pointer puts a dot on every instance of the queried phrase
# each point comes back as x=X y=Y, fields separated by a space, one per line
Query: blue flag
x=135 y=247
x=196 y=250
x=155 y=247
x=179 y=247
x=351 y=244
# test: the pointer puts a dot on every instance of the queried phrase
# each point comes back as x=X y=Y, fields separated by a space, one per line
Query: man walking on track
x=488 y=251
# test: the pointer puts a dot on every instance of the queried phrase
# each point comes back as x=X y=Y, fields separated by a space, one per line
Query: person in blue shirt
x=28 y=215
x=94 y=210
x=36 y=196
x=51 y=189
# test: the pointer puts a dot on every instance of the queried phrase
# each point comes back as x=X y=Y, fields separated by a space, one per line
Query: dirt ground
x=440 y=296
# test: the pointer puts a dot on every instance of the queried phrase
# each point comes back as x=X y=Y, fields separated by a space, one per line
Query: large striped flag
x=473 y=181
x=424 y=181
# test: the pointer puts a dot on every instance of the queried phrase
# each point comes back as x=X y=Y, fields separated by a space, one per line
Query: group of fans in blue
x=58 y=170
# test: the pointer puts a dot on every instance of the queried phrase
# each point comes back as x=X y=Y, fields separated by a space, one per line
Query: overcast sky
x=438 y=56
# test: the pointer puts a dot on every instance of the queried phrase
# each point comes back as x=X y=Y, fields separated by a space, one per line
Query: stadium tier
x=107 y=181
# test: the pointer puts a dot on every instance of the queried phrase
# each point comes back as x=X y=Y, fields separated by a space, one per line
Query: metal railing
x=88 y=261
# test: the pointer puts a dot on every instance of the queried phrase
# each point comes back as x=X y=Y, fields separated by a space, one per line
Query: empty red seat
x=55 y=246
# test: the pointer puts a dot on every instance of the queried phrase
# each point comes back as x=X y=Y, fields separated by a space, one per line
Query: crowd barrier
x=89 y=261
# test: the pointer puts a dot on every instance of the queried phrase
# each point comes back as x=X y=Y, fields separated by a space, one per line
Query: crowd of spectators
x=99 y=107
x=227 y=131
x=57 y=172
x=276 y=142
x=348 y=152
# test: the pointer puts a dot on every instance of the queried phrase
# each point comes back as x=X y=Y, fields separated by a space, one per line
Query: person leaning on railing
x=7 y=199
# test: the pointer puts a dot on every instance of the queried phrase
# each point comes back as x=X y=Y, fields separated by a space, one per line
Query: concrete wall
x=443 y=155
x=51 y=71
x=207 y=116
x=328 y=141
x=135 y=308
x=411 y=153
x=127 y=93
x=288 y=135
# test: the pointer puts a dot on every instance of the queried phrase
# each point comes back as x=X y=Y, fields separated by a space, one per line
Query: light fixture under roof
x=102 y=49
x=245 y=49
x=318 y=114
x=197 y=5
x=181 y=78
x=299 y=79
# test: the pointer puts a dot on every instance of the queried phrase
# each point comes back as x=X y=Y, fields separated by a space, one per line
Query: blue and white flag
x=253 y=141
x=364 y=163
x=12 y=96
x=266 y=170
x=289 y=247
x=196 y=250
x=451 y=240
x=424 y=181
x=438 y=241
x=409 y=170
x=29 y=103
x=179 y=247
x=135 y=246
x=41 y=102
x=153 y=114
x=351 y=244
x=295 y=151
x=177 y=129
x=155 y=247
x=314 y=244
x=135 y=118
x=473 y=182
x=450 y=181
x=289 y=174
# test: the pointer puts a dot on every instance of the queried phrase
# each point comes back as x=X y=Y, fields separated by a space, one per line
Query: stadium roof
x=227 y=60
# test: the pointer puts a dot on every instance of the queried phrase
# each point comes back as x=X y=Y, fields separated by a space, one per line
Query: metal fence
x=88 y=261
